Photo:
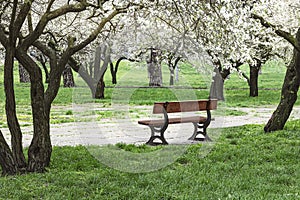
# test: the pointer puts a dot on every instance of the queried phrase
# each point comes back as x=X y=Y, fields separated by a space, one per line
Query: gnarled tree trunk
x=7 y=161
x=102 y=53
x=68 y=78
x=10 y=108
x=253 y=81
x=217 y=86
x=172 y=66
x=288 y=93
x=40 y=149
x=154 y=69
x=23 y=75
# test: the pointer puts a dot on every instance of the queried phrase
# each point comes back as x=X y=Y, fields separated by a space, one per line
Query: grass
x=244 y=164
x=236 y=90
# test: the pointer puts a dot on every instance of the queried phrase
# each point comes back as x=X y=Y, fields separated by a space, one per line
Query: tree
x=172 y=61
x=92 y=72
x=17 y=36
x=114 y=68
x=284 y=16
x=226 y=33
x=289 y=92
x=151 y=41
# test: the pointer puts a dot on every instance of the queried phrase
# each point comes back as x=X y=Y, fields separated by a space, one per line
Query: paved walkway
x=126 y=129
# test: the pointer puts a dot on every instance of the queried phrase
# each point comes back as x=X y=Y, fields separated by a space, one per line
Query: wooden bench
x=159 y=126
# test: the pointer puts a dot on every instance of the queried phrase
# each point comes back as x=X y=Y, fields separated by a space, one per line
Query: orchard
x=226 y=34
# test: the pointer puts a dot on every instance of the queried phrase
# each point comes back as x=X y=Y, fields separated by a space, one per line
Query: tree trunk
x=217 y=86
x=10 y=108
x=99 y=71
x=172 y=66
x=23 y=75
x=288 y=94
x=97 y=62
x=253 y=83
x=40 y=149
x=99 y=90
x=7 y=161
x=68 y=78
x=154 y=69
x=43 y=62
x=176 y=74
x=113 y=73
x=172 y=74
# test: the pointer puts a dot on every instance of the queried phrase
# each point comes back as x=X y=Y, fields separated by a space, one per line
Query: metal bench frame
x=158 y=129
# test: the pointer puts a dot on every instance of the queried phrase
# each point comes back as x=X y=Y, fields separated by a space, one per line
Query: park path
x=126 y=129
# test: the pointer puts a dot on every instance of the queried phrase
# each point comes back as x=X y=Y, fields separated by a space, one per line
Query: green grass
x=244 y=164
x=236 y=91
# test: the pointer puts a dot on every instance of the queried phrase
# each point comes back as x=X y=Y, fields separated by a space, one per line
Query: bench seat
x=200 y=123
x=177 y=120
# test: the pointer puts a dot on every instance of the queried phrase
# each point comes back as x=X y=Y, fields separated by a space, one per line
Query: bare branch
x=168 y=23
x=48 y=16
x=29 y=20
x=50 y=5
x=17 y=25
x=95 y=33
x=3 y=37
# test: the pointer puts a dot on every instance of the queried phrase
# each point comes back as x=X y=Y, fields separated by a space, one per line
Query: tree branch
x=3 y=37
x=29 y=21
x=287 y=36
x=18 y=22
x=50 y=5
x=48 y=16
x=96 y=32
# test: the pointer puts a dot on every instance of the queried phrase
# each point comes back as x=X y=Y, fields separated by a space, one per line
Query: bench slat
x=177 y=120
x=185 y=106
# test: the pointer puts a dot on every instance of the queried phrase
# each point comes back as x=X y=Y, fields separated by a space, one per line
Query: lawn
x=244 y=163
x=236 y=91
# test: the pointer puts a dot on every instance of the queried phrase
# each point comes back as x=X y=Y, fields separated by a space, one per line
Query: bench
x=159 y=126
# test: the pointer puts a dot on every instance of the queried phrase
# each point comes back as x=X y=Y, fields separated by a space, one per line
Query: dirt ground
x=111 y=130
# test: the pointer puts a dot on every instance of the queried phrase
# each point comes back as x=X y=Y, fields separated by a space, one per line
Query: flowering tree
x=151 y=40
x=255 y=44
x=282 y=17
x=30 y=23
x=93 y=69
x=228 y=35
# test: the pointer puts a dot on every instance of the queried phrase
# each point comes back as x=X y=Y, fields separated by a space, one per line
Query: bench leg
x=198 y=126
x=154 y=136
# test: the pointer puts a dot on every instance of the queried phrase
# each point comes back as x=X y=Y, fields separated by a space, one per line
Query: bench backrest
x=185 y=106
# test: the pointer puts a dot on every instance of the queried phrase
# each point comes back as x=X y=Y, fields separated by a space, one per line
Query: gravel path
x=126 y=129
